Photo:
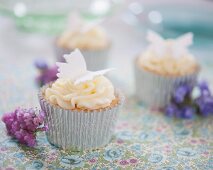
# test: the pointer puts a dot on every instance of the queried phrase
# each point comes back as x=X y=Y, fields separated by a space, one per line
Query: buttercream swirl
x=93 y=94
x=167 y=64
x=92 y=39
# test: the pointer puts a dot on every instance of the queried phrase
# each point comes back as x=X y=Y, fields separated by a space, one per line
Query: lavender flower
x=187 y=112
x=181 y=92
x=23 y=124
x=171 y=110
x=46 y=74
x=204 y=89
x=184 y=104
x=41 y=64
x=205 y=105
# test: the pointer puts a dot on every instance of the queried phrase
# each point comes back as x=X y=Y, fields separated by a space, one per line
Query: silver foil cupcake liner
x=95 y=59
x=79 y=130
x=154 y=90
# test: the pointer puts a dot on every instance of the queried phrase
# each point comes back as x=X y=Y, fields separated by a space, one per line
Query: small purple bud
x=180 y=93
x=171 y=110
x=41 y=64
x=42 y=113
x=204 y=88
x=188 y=112
x=47 y=76
x=205 y=105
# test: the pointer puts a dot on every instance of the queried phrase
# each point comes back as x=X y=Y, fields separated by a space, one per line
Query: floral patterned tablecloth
x=143 y=139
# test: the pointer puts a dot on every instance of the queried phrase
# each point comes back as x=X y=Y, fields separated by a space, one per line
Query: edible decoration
x=76 y=87
x=188 y=100
x=172 y=47
x=23 y=124
x=76 y=23
x=83 y=34
x=76 y=70
x=168 y=57
x=46 y=74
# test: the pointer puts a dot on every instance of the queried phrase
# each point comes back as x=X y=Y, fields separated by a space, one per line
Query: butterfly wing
x=74 y=22
x=181 y=44
x=185 y=40
x=158 y=44
x=90 y=25
x=75 y=66
x=90 y=75
x=154 y=37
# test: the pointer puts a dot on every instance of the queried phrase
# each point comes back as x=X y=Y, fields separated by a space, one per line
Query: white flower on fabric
x=76 y=70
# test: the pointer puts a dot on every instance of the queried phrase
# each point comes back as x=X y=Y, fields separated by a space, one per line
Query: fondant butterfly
x=75 y=68
x=76 y=22
x=178 y=46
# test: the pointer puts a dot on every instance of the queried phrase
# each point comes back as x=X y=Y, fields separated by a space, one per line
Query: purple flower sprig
x=46 y=73
x=204 y=101
x=23 y=124
x=184 y=105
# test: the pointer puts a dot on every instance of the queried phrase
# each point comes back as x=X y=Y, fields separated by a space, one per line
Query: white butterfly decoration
x=75 y=69
x=176 y=47
x=76 y=23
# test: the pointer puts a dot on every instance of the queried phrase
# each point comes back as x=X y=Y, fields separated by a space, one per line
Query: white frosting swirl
x=92 y=39
x=94 y=94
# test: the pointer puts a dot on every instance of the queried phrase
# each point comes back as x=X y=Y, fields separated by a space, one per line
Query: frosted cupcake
x=163 y=66
x=81 y=106
x=90 y=38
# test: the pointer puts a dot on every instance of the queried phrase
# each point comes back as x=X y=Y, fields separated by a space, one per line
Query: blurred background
x=28 y=30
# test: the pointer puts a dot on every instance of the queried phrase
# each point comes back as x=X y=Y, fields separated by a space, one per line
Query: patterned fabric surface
x=143 y=139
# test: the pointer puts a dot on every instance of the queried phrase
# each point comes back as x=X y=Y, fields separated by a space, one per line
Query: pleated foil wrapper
x=79 y=130
x=154 y=90
x=95 y=59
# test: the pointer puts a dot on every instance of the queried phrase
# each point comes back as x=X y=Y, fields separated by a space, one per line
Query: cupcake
x=81 y=106
x=163 y=66
x=90 y=38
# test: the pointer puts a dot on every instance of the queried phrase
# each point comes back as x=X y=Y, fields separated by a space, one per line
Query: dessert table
x=144 y=139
